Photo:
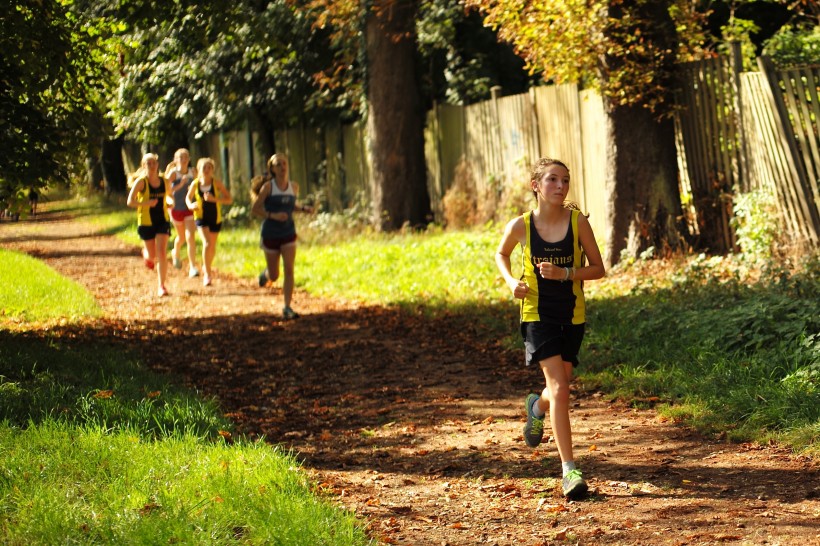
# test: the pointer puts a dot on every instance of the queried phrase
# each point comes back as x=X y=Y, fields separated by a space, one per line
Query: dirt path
x=416 y=424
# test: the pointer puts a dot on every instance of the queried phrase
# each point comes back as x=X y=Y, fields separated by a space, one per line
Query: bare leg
x=178 y=241
x=190 y=238
x=557 y=374
x=160 y=245
x=208 y=250
x=272 y=263
x=288 y=260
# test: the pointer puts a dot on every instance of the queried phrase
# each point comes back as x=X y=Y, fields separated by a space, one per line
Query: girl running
x=180 y=174
x=555 y=240
x=147 y=195
x=206 y=196
x=274 y=199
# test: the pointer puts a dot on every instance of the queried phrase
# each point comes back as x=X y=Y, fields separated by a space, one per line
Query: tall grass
x=727 y=353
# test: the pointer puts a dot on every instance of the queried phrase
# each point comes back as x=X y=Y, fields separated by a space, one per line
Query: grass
x=61 y=484
x=113 y=453
x=730 y=354
x=52 y=297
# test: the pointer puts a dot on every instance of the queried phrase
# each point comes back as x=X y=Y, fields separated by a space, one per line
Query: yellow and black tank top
x=158 y=214
x=206 y=210
x=551 y=301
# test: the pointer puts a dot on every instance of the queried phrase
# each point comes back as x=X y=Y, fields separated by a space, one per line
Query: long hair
x=142 y=172
x=258 y=181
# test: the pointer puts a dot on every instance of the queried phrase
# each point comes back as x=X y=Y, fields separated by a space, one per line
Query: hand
x=208 y=196
x=520 y=290
x=551 y=271
x=153 y=202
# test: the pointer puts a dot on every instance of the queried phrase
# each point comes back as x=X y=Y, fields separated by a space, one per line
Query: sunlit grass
x=52 y=296
x=67 y=485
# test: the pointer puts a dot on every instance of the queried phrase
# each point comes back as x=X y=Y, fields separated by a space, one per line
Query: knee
x=559 y=394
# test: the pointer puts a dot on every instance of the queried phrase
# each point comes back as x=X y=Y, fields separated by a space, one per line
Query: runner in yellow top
x=206 y=195
x=148 y=195
x=555 y=241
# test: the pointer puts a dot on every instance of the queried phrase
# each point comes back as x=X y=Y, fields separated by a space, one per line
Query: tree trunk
x=113 y=168
x=395 y=120
x=643 y=196
x=643 y=205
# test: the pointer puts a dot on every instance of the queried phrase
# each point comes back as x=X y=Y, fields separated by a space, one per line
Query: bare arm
x=133 y=196
x=514 y=234
x=300 y=208
x=190 y=198
x=258 y=206
x=595 y=269
x=225 y=197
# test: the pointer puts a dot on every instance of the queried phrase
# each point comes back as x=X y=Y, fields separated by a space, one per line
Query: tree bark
x=113 y=168
x=643 y=195
x=643 y=205
x=395 y=119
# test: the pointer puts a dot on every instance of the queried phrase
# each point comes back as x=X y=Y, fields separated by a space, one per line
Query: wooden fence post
x=791 y=189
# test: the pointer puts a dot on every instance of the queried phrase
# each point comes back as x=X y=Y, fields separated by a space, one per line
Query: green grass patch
x=64 y=485
x=51 y=296
x=81 y=382
x=731 y=355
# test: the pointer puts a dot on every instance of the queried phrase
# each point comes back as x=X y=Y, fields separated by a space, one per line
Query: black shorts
x=148 y=233
x=212 y=226
x=543 y=340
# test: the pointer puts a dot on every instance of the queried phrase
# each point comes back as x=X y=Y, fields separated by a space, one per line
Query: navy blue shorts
x=148 y=233
x=543 y=340
x=213 y=226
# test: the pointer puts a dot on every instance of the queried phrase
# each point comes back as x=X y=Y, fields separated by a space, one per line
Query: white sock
x=568 y=467
x=535 y=410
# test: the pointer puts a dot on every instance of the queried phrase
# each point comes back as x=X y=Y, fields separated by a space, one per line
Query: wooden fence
x=745 y=131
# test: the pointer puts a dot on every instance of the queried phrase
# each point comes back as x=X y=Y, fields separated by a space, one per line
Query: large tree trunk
x=395 y=119
x=643 y=206
x=112 y=166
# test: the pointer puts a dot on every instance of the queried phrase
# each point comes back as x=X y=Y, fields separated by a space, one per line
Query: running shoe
x=534 y=429
x=175 y=259
x=162 y=291
x=206 y=280
x=193 y=272
x=263 y=279
x=574 y=485
x=149 y=263
x=289 y=313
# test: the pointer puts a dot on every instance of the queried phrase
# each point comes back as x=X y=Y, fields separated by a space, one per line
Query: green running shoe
x=534 y=429
x=574 y=485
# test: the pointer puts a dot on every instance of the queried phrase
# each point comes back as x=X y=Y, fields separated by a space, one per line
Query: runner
x=180 y=175
x=206 y=196
x=555 y=239
x=147 y=195
x=274 y=199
